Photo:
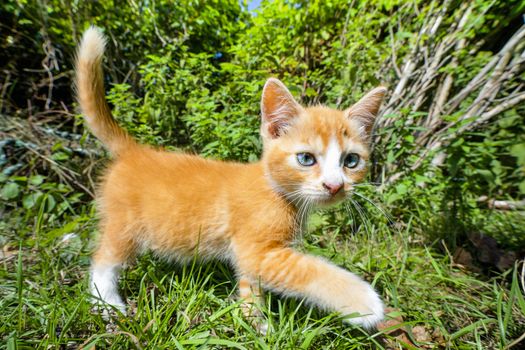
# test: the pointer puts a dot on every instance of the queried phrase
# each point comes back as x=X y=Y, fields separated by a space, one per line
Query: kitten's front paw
x=368 y=313
x=255 y=316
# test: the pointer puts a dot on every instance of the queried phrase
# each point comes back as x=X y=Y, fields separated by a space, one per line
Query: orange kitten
x=247 y=215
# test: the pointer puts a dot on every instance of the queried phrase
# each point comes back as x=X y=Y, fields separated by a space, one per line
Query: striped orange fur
x=178 y=205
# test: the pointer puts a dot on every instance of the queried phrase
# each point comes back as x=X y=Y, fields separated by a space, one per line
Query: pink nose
x=332 y=188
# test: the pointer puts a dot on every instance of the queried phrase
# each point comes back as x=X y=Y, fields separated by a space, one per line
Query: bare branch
x=477 y=80
x=502 y=204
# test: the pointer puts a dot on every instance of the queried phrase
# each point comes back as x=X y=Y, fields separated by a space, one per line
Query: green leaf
x=51 y=203
x=10 y=190
x=60 y=156
x=30 y=200
x=487 y=174
x=391 y=198
x=36 y=180
x=518 y=151
x=401 y=189
x=522 y=187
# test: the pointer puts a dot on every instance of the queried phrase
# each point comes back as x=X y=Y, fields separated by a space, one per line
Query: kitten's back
x=179 y=201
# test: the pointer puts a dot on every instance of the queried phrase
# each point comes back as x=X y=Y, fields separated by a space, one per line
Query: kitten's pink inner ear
x=278 y=108
x=365 y=110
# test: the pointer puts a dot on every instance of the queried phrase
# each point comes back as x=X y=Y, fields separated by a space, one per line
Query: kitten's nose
x=332 y=188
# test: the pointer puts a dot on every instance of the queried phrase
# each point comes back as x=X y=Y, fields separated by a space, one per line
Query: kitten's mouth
x=319 y=198
x=329 y=200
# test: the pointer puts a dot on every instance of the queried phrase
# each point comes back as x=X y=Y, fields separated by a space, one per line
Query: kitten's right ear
x=278 y=108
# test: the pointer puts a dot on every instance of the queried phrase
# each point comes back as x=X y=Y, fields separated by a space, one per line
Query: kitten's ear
x=365 y=110
x=278 y=108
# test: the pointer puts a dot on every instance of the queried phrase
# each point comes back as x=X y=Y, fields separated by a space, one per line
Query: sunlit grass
x=45 y=302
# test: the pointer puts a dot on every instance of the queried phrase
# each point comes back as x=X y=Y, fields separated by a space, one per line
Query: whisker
x=368 y=184
x=352 y=217
x=387 y=215
x=362 y=215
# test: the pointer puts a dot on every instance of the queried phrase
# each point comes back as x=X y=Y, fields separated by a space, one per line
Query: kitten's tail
x=90 y=93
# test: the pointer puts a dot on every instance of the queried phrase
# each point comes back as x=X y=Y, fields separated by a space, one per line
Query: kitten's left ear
x=365 y=110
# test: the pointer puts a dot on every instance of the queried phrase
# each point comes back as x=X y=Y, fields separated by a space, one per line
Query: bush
x=188 y=75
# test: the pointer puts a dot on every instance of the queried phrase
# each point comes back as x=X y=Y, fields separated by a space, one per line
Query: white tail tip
x=92 y=45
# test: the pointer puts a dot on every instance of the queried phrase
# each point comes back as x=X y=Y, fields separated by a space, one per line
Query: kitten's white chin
x=328 y=200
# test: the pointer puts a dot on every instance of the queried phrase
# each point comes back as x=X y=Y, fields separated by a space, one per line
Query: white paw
x=253 y=313
x=109 y=307
x=368 y=314
x=104 y=288
x=118 y=305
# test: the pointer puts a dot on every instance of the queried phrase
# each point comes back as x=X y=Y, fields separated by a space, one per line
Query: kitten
x=247 y=215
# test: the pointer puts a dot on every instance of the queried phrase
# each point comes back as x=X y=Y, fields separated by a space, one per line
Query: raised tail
x=90 y=93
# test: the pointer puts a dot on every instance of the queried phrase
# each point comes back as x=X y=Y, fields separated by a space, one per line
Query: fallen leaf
x=462 y=257
x=394 y=328
x=438 y=337
x=421 y=335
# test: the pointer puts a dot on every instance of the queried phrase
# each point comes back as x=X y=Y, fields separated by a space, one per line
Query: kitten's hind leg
x=115 y=247
x=104 y=284
x=318 y=281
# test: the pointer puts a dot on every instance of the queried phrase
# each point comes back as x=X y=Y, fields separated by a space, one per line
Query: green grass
x=45 y=304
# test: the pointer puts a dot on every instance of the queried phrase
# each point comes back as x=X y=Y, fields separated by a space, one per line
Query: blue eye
x=351 y=160
x=306 y=159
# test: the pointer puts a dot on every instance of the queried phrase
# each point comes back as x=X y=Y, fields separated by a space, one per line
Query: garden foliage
x=188 y=75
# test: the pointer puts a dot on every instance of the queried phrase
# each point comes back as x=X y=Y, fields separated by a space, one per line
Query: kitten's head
x=315 y=154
